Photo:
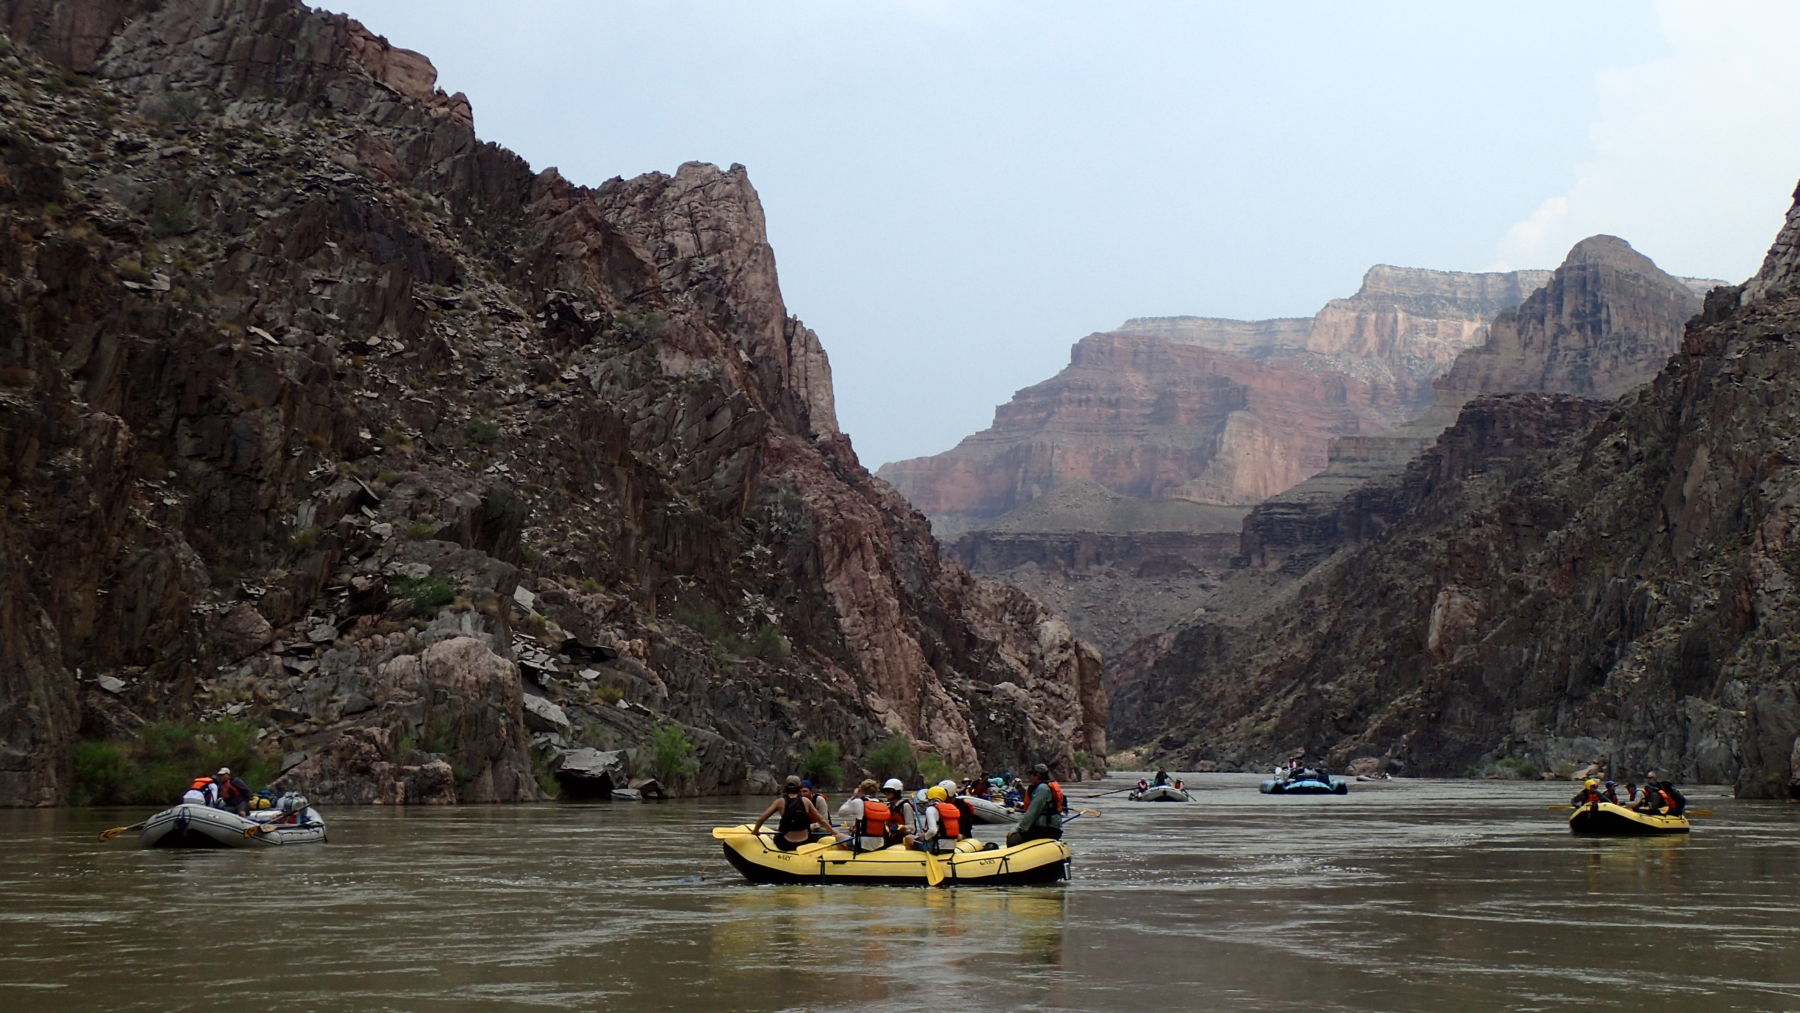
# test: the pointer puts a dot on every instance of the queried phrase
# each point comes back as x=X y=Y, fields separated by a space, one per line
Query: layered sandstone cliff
x=1215 y=411
x=324 y=415
x=1624 y=595
x=1604 y=323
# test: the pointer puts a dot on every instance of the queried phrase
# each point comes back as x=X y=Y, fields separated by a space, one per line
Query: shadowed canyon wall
x=1561 y=580
x=323 y=415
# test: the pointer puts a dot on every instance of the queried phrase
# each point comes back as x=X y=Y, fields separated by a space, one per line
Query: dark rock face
x=1625 y=594
x=322 y=413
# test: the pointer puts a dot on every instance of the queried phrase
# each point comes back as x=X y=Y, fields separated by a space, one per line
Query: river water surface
x=1404 y=895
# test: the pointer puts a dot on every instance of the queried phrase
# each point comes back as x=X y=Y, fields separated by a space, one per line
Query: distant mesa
x=1225 y=412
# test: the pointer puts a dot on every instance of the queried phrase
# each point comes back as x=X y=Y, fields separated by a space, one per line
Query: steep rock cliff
x=1215 y=411
x=1606 y=321
x=1625 y=595
x=325 y=415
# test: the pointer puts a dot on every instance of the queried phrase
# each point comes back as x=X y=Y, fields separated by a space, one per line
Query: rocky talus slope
x=1215 y=411
x=321 y=413
x=1605 y=322
x=1626 y=594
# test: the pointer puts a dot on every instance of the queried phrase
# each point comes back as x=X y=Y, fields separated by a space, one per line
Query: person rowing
x=797 y=816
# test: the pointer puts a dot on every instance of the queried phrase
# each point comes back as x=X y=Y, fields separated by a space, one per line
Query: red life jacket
x=877 y=819
x=1590 y=797
x=949 y=820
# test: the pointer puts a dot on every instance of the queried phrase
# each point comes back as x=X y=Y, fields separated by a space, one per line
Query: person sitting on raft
x=1660 y=797
x=1588 y=795
x=1161 y=778
x=1043 y=817
x=797 y=816
x=943 y=823
x=819 y=803
x=234 y=794
x=875 y=823
x=203 y=791
x=963 y=808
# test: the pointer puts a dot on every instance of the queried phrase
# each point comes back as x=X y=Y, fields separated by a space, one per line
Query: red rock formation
x=1216 y=411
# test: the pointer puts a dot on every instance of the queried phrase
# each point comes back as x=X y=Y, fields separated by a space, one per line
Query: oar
x=107 y=835
x=1572 y=808
x=934 y=870
x=1115 y=791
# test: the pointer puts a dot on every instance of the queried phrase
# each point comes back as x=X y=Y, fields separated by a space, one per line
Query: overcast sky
x=958 y=191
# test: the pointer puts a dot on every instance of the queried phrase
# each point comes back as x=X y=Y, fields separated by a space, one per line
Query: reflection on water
x=1406 y=895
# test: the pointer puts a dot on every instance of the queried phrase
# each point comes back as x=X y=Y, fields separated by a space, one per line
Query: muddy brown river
x=1404 y=895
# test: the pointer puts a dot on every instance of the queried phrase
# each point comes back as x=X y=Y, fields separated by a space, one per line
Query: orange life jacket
x=1591 y=796
x=200 y=784
x=877 y=820
x=949 y=820
x=1056 y=796
x=1668 y=800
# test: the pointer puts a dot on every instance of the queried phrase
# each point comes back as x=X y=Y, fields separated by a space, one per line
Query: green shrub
x=635 y=325
x=306 y=539
x=933 y=769
x=101 y=772
x=823 y=764
x=1523 y=769
x=155 y=766
x=176 y=107
x=420 y=530
x=767 y=643
x=483 y=430
x=171 y=216
x=671 y=754
x=893 y=758
x=427 y=594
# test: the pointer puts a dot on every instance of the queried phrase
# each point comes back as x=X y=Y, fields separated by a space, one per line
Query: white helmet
x=894 y=784
x=949 y=787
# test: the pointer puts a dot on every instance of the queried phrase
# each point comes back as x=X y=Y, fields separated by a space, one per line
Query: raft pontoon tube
x=199 y=826
x=757 y=858
x=1305 y=786
x=1617 y=821
x=1161 y=793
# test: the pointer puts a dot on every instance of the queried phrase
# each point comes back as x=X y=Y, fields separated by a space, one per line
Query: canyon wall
x=1604 y=323
x=1621 y=592
x=1215 y=411
x=323 y=416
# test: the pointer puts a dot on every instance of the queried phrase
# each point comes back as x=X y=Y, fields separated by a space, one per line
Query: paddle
x=934 y=870
x=107 y=835
x=1572 y=808
x=1115 y=791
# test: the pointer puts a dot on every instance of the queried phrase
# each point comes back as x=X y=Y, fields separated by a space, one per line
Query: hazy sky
x=958 y=191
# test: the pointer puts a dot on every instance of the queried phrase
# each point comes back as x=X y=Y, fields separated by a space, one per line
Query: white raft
x=1161 y=793
x=199 y=826
x=987 y=810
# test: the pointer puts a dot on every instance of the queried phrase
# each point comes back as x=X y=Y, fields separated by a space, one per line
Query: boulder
x=589 y=773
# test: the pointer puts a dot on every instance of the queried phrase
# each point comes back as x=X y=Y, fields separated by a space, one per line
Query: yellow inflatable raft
x=756 y=856
x=1615 y=820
